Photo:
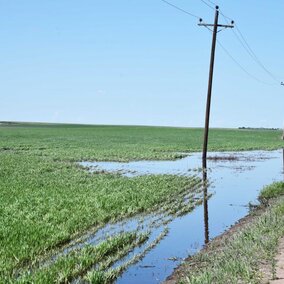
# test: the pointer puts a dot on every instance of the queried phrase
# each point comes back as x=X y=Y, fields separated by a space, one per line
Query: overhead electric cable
x=243 y=42
x=212 y=2
x=241 y=67
x=208 y=5
x=180 y=9
x=255 y=57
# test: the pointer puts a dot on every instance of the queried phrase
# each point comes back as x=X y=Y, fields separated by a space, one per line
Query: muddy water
x=234 y=184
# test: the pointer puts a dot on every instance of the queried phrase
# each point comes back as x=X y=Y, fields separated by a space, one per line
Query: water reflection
x=232 y=181
x=283 y=163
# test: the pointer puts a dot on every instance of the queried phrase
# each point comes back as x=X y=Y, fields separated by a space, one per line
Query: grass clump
x=76 y=264
x=272 y=191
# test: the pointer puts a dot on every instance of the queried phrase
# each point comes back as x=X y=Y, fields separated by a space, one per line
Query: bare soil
x=279 y=271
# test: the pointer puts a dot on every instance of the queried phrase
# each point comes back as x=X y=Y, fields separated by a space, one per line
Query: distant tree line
x=258 y=128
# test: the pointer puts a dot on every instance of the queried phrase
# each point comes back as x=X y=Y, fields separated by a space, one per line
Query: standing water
x=235 y=179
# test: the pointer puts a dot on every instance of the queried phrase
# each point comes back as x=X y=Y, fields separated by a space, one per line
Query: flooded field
x=234 y=180
x=59 y=223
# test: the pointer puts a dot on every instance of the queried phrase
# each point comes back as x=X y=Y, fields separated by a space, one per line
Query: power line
x=243 y=42
x=212 y=2
x=215 y=5
x=225 y=17
x=255 y=57
x=240 y=38
x=180 y=9
x=241 y=67
x=238 y=64
x=208 y=5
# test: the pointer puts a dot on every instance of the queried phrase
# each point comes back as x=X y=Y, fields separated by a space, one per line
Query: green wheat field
x=47 y=199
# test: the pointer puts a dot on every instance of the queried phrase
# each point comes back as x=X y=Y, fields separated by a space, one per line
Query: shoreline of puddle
x=234 y=181
x=188 y=165
x=235 y=184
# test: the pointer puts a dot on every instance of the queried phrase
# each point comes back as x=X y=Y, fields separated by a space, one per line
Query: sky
x=139 y=62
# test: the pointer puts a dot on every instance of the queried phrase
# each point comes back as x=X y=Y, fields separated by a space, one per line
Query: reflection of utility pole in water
x=283 y=163
x=205 y=201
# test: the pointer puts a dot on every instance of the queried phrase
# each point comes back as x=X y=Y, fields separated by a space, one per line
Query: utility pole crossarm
x=212 y=25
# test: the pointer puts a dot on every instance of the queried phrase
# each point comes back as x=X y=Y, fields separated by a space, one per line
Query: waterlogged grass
x=76 y=264
x=239 y=258
x=109 y=276
x=47 y=200
x=45 y=204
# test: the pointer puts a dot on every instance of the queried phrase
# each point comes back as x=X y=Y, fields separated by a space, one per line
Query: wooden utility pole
x=209 y=92
x=282 y=84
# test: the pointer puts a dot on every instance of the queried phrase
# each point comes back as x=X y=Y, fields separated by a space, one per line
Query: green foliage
x=83 y=142
x=47 y=200
x=76 y=263
x=45 y=203
x=272 y=191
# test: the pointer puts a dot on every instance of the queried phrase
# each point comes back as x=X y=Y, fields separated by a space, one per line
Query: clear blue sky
x=137 y=62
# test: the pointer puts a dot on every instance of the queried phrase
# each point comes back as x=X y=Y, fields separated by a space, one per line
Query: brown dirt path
x=279 y=264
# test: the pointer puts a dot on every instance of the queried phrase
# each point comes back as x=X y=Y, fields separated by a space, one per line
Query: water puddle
x=187 y=166
x=235 y=180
